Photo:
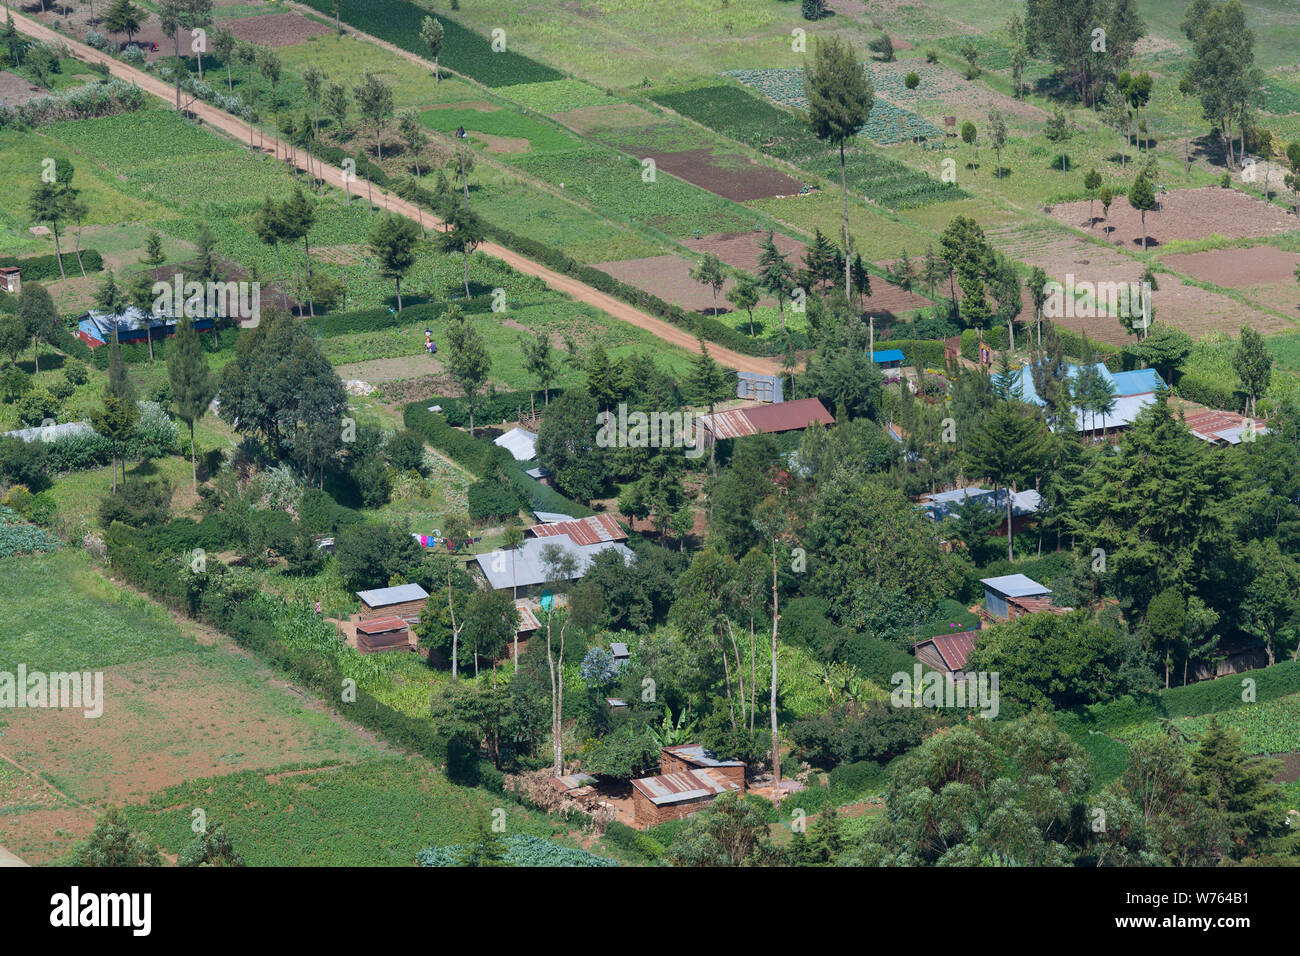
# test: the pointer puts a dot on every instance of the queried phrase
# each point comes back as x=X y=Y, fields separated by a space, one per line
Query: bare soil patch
x=504 y=144
x=42 y=836
x=1185 y=306
x=1182 y=214
x=276 y=29
x=1237 y=268
x=1290 y=771
x=732 y=177
x=610 y=115
x=741 y=250
x=391 y=369
x=15 y=91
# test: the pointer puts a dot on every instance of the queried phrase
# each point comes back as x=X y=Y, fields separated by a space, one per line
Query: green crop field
x=378 y=813
x=542 y=137
x=556 y=96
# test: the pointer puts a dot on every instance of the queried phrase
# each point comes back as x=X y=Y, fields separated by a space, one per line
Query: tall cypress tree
x=193 y=385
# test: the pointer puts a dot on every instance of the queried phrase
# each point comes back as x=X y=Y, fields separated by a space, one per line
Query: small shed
x=383 y=634
x=520 y=442
x=759 y=388
x=672 y=796
x=684 y=757
x=998 y=591
x=947 y=652
x=620 y=654
x=405 y=601
x=11 y=279
x=889 y=358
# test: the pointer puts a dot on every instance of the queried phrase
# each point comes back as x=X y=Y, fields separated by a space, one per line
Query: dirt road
x=333 y=175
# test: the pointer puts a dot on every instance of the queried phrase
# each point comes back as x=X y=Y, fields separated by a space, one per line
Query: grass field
x=377 y=813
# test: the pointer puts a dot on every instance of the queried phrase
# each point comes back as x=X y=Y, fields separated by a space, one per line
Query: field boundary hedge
x=135 y=558
x=1194 y=700
x=45 y=268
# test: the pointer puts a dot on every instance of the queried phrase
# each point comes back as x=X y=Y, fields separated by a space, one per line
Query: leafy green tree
x=123 y=16
x=392 y=241
x=153 y=249
x=47 y=205
x=566 y=445
x=39 y=316
x=193 y=386
x=744 y=295
x=539 y=360
x=465 y=233
x=212 y=847
x=709 y=272
x=112 y=843
x=997 y=137
x=467 y=358
x=1142 y=197
x=968 y=136
x=375 y=101
x=1091 y=183
x=775 y=274
x=840 y=98
x=271 y=229
x=1008 y=449
x=1253 y=364
x=1239 y=788
x=431 y=35
x=370 y=554
x=1057 y=131
x=731 y=832
x=491 y=621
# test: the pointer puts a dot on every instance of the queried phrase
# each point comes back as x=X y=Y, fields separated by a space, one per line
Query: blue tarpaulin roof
x=888 y=355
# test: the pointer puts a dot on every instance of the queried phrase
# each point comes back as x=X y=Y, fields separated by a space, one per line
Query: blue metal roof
x=1139 y=381
x=888 y=355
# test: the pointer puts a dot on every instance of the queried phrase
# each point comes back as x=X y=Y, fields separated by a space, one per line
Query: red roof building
x=947 y=652
x=766 y=419
x=583 y=531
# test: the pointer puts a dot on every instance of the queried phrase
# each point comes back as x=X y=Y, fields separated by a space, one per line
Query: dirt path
x=334 y=176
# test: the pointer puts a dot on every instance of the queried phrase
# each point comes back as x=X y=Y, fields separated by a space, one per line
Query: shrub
x=37 y=406
x=155 y=434
x=19 y=537
x=492 y=499
x=139 y=504
x=23 y=463
x=98 y=41
x=912 y=80
x=75 y=373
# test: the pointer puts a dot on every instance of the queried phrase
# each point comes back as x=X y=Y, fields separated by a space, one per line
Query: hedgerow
x=46 y=268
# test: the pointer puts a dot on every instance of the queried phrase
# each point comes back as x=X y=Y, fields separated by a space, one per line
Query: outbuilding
x=383 y=634
x=998 y=592
x=672 y=796
x=405 y=601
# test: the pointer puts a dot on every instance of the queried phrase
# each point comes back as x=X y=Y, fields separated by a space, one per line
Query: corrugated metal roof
x=729 y=424
x=1210 y=424
x=942 y=504
x=1015 y=585
x=591 y=530
x=527 y=619
x=689 y=785
x=382 y=625
x=618 y=649
x=953 y=649
x=520 y=442
x=888 y=355
x=522 y=566
x=550 y=517
x=788 y=415
x=1033 y=605
x=694 y=753
x=394 y=595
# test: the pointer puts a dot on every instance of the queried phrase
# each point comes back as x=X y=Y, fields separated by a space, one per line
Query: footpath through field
x=334 y=176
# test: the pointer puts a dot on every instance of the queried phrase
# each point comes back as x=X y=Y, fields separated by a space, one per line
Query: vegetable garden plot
x=398 y=22
x=733 y=112
x=556 y=96
x=888 y=124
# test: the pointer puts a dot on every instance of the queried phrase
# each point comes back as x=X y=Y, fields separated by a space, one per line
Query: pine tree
x=1239 y=788
x=1007 y=448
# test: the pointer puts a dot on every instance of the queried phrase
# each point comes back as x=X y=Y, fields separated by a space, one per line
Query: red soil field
x=1183 y=214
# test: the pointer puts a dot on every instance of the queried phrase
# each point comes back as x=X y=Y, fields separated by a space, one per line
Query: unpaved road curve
x=334 y=176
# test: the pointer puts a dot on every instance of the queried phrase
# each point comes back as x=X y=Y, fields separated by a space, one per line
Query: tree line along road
x=333 y=175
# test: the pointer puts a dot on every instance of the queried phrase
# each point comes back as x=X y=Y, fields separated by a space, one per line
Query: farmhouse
x=672 y=796
x=1133 y=391
x=406 y=601
x=998 y=592
x=383 y=634
x=1024 y=505
x=685 y=757
x=133 y=325
x=764 y=419
x=524 y=567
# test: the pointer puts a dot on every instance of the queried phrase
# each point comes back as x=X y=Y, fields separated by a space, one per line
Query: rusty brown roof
x=953 y=649
x=591 y=530
x=381 y=625
x=1032 y=605
x=787 y=416
x=689 y=785
x=527 y=619
x=729 y=424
